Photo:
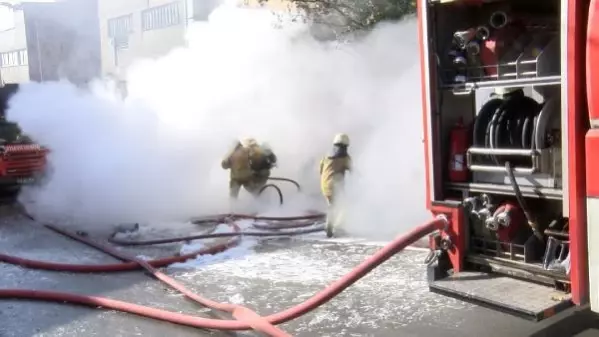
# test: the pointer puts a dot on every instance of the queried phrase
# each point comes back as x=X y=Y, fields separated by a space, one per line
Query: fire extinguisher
x=458 y=145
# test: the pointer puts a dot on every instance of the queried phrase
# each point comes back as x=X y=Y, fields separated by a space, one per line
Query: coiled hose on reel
x=507 y=123
x=514 y=121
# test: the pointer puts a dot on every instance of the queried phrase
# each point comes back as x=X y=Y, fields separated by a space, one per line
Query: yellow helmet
x=341 y=139
x=248 y=142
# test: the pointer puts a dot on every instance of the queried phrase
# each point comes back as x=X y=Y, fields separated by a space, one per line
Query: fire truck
x=22 y=161
x=510 y=95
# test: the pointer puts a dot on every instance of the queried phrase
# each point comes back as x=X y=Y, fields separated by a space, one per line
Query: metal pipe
x=520 y=82
x=557 y=233
x=39 y=52
x=503 y=152
x=487 y=168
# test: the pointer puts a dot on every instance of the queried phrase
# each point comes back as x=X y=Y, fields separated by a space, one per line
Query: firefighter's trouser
x=331 y=216
x=252 y=185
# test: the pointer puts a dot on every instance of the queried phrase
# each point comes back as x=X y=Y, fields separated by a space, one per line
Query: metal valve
x=504 y=219
x=491 y=223
x=484 y=214
x=470 y=203
x=445 y=244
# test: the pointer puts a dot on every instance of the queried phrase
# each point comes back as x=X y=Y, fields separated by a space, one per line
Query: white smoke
x=156 y=155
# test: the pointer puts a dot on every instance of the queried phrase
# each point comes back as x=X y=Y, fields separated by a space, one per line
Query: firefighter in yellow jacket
x=249 y=164
x=332 y=177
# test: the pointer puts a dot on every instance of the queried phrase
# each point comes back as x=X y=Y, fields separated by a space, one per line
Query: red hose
x=114 y=267
x=120 y=242
x=247 y=319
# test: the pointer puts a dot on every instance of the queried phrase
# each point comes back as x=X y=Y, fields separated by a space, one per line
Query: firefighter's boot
x=329 y=227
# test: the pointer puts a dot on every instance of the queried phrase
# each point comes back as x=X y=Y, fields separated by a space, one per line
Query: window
x=120 y=26
x=161 y=16
x=23 y=57
x=119 y=29
x=14 y=58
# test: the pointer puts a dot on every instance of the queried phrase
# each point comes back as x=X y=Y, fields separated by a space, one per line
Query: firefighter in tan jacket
x=332 y=177
x=249 y=164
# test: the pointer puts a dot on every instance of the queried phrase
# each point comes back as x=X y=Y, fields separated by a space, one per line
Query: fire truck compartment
x=525 y=299
x=495 y=142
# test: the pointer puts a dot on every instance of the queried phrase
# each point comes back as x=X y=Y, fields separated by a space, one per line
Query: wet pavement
x=265 y=275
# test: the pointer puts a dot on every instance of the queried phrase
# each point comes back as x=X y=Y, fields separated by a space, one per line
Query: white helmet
x=341 y=139
x=248 y=142
x=266 y=147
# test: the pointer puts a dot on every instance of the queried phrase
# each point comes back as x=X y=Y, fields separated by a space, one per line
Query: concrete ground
x=267 y=276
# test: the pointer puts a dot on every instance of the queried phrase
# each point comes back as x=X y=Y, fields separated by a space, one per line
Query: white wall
x=142 y=44
x=13 y=39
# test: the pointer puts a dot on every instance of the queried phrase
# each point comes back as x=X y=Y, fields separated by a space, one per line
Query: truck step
x=513 y=296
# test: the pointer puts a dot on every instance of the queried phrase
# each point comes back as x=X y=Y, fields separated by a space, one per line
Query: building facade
x=13 y=45
x=46 y=42
x=132 y=29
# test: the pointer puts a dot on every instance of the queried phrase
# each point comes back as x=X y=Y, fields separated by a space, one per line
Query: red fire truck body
x=510 y=96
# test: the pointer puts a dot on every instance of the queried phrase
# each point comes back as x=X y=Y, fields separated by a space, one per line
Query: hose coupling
x=492 y=224
x=445 y=220
x=470 y=203
x=432 y=257
x=504 y=219
x=445 y=244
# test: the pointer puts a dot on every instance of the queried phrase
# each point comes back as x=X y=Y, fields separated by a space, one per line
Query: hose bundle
x=509 y=122
x=514 y=121
x=243 y=318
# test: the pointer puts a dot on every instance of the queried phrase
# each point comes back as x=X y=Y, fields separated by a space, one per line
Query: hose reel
x=515 y=128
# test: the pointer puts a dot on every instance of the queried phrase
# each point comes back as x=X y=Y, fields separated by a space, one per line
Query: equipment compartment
x=498 y=94
x=498 y=42
x=497 y=112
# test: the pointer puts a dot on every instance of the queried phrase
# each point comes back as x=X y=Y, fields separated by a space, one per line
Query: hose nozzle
x=482 y=33
x=461 y=38
x=498 y=20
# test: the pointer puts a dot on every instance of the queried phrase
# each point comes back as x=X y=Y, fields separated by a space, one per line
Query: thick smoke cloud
x=155 y=156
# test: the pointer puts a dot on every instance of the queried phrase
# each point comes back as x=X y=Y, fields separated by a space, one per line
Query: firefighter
x=332 y=176
x=249 y=164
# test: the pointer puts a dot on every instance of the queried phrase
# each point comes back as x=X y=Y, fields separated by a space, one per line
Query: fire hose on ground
x=245 y=319
x=276 y=188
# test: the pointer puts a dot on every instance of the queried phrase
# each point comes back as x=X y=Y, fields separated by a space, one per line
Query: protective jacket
x=249 y=167
x=332 y=171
